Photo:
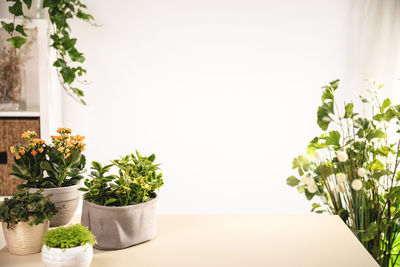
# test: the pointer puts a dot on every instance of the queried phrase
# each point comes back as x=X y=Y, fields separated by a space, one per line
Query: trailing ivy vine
x=69 y=58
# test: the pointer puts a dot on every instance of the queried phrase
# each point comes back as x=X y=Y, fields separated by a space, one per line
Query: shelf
x=34 y=112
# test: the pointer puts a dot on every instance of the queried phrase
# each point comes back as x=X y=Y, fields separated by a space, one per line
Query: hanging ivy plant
x=69 y=58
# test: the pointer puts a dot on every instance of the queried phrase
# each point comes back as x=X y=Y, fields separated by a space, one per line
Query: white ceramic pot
x=24 y=239
x=70 y=257
x=65 y=197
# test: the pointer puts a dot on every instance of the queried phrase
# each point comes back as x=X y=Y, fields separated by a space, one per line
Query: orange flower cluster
x=65 y=143
x=35 y=145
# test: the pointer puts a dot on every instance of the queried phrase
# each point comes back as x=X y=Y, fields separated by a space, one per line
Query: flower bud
x=356 y=184
x=361 y=172
x=342 y=156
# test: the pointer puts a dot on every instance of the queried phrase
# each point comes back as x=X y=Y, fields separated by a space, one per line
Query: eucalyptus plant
x=137 y=180
x=353 y=168
x=23 y=206
x=69 y=58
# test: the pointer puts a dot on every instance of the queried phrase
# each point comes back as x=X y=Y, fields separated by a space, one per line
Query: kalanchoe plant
x=136 y=182
x=353 y=168
x=65 y=162
x=48 y=166
x=28 y=159
x=33 y=208
x=68 y=237
x=69 y=59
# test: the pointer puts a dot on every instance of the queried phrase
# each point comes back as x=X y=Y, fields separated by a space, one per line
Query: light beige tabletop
x=234 y=240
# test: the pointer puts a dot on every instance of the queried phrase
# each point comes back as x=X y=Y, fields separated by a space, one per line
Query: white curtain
x=374 y=44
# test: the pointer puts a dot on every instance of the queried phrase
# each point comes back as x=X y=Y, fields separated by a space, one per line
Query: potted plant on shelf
x=70 y=246
x=353 y=170
x=120 y=209
x=55 y=168
x=25 y=218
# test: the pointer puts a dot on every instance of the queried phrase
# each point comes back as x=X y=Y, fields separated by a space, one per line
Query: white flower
x=341 y=177
x=317 y=154
x=356 y=184
x=341 y=187
x=312 y=188
x=307 y=180
x=342 y=156
x=361 y=172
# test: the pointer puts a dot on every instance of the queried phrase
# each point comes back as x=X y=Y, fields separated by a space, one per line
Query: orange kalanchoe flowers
x=65 y=143
x=35 y=145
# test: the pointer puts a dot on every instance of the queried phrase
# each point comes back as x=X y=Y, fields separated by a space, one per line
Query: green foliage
x=49 y=166
x=136 y=182
x=23 y=206
x=68 y=237
x=60 y=171
x=69 y=58
x=353 y=168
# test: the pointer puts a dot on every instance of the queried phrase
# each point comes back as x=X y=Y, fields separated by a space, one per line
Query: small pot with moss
x=68 y=246
x=25 y=218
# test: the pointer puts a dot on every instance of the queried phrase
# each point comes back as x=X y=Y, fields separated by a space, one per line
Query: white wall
x=224 y=92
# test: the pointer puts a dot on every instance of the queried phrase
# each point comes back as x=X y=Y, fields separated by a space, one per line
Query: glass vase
x=13 y=91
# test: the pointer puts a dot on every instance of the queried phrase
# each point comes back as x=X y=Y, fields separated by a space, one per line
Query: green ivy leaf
x=9 y=27
x=16 y=9
x=67 y=74
x=20 y=29
x=17 y=41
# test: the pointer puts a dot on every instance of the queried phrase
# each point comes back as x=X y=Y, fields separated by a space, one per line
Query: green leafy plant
x=33 y=208
x=68 y=237
x=353 y=169
x=65 y=163
x=28 y=159
x=69 y=59
x=48 y=166
x=136 y=182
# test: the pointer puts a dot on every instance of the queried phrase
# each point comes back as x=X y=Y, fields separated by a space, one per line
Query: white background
x=224 y=92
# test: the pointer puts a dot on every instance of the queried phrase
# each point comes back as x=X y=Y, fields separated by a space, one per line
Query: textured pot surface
x=71 y=257
x=24 y=239
x=120 y=227
x=65 y=197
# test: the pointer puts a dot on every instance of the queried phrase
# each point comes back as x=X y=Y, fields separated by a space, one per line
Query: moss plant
x=68 y=237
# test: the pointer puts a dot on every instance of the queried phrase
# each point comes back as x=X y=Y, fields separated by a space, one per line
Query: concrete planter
x=120 y=227
x=65 y=197
x=70 y=257
x=24 y=239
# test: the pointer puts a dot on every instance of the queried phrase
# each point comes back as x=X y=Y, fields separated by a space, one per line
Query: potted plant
x=55 y=168
x=120 y=209
x=352 y=168
x=69 y=60
x=70 y=246
x=25 y=218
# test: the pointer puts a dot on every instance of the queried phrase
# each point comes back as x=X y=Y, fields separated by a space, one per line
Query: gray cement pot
x=65 y=197
x=120 y=227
